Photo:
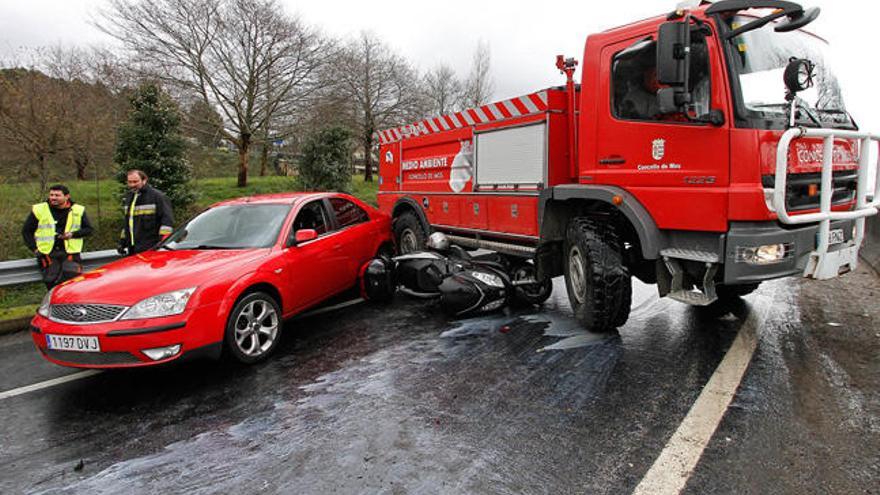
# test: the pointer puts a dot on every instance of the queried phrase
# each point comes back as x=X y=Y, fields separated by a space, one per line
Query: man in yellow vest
x=54 y=231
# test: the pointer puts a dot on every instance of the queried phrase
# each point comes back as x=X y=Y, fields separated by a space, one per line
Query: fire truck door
x=678 y=169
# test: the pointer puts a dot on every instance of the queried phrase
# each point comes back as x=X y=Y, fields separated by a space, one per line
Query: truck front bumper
x=799 y=242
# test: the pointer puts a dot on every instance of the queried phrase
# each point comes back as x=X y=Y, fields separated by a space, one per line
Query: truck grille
x=84 y=313
x=797 y=194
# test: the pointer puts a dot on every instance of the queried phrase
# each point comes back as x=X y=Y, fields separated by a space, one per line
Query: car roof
x=289 y=198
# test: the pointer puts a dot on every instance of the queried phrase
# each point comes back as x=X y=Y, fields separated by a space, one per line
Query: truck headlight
x=167 y=304
x=767 y=254
x=44 y=304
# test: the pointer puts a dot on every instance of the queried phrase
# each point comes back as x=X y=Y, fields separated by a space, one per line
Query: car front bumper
x=198 y=332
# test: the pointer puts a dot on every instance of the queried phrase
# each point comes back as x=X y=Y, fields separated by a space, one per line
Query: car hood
x=134 y=278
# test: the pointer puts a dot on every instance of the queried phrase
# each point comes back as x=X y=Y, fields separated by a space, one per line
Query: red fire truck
x=704 y=151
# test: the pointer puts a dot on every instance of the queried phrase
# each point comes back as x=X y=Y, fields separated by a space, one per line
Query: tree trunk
x=44 y=171
x=244 y=145
x=368 y=157
x=81 y=165
x=264 y=159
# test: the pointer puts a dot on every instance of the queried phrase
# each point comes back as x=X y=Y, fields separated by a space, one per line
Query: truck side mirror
x=673 y=54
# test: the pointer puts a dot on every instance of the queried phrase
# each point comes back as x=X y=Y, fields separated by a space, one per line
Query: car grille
x=84 y=313
x=74 y=357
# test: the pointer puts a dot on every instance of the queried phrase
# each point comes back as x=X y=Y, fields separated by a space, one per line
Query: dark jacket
x=151 y=219
x=60 y=216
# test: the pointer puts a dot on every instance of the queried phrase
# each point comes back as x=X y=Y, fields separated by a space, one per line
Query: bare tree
x=246 y=58
x=203 y=124
x=33 y=116
x=380 y=85
x=479 y=86
x=93 y=110
x=442 y=90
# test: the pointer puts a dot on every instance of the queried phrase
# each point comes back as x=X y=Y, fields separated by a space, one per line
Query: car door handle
x=612 y=160
x=337 y=246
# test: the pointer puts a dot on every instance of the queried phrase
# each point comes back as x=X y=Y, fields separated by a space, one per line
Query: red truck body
x=681 y=193
x=421 y=166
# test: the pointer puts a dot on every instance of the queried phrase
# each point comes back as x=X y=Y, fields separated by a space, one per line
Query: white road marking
x=48 y=383
x=672 y=469
x=85 y=374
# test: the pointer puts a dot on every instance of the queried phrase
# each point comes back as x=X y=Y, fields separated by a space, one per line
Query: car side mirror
x=304 y=235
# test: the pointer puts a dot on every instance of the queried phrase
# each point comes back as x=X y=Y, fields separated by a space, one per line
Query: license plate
x=73 y=343
x=835 y=236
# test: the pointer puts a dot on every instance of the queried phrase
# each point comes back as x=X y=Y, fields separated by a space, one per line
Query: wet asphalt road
x=400 y=399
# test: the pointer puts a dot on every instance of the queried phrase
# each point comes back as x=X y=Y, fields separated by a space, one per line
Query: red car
x=223 y=282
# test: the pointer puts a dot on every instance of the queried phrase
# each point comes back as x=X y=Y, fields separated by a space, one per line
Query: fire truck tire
x=409 y=234
x=532 y=294
x=599 y=285
x=728 y=292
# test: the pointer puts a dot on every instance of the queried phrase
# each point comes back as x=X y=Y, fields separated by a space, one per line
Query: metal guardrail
x=27 y=270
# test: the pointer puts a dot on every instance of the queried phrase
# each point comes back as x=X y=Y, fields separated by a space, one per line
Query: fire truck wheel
x=531 y=294
x=599 y=285
x=728 y=292
x=409 y=233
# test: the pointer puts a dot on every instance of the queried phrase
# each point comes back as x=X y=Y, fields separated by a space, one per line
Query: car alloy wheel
x=253 y=328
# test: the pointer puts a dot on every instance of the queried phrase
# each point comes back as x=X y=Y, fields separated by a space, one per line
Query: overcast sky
x=524 y=37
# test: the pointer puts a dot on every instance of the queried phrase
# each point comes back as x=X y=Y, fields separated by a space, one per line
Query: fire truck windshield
x=762 y=57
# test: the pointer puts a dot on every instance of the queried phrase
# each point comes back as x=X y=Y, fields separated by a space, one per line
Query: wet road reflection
x=388 y=399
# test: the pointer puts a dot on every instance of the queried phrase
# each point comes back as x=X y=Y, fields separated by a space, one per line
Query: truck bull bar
x=824 y=263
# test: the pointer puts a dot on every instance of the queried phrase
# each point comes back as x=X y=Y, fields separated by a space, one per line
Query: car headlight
x=167 y=304
x=44 y=304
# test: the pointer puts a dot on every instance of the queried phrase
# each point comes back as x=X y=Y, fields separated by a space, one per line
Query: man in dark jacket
x=148 y=215
x=54 y=231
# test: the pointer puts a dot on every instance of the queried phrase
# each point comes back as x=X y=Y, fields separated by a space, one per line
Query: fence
x=25 y=271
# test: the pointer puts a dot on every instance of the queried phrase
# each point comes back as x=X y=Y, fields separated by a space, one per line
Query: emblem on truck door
x=658 y=149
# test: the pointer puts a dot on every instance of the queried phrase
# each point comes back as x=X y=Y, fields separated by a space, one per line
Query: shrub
x=325 y=165
x=150 y=140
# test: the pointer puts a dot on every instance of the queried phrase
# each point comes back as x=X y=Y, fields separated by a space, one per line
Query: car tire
x=599 y=285
x=409 y=234
x=253 y=328
x=533 y=294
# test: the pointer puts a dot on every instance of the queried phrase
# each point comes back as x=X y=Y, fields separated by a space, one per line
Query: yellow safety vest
x=45 y=233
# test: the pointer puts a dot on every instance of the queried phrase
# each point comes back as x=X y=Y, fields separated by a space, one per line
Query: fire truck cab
x=704 y=151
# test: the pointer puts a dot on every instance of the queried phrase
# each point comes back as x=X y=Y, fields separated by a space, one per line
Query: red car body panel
x=300 y=276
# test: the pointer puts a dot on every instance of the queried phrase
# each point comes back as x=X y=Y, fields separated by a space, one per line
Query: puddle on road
x=556 y=318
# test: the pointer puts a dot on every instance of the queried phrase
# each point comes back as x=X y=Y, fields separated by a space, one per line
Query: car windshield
x=231 y=227
x=763 y=56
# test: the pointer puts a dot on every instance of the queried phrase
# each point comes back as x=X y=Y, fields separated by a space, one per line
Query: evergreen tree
x=150 y=140
x=325 y=160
